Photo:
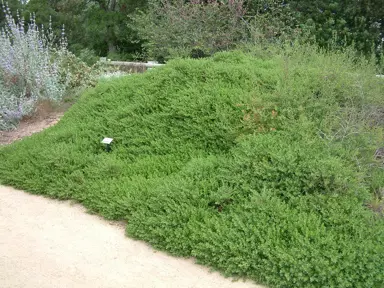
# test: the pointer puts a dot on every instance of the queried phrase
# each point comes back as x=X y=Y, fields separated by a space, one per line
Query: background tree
x=98 y=27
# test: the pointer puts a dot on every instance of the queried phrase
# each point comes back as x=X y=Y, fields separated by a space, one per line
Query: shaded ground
x=45 y=116
x=47 y=243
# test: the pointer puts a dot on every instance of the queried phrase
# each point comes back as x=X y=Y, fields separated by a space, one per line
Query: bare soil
x=47 y=114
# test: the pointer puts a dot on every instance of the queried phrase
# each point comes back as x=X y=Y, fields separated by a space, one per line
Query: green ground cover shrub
x=257 y=164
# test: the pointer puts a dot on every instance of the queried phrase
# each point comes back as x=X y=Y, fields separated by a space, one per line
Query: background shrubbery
x=190 y=29
x=164 y=29
x=259 y=164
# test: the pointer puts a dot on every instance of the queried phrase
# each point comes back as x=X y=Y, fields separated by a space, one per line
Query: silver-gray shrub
x=30 y=68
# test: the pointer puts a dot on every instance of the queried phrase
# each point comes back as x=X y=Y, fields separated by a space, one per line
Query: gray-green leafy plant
x=30 y=68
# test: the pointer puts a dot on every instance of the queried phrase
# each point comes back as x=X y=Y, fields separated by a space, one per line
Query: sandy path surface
x=47 y=243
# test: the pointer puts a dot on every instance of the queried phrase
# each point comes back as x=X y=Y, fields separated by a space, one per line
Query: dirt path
x=45 y=116
x=47 y=243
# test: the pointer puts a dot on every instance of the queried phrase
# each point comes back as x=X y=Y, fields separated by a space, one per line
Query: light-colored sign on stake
x=107 y=142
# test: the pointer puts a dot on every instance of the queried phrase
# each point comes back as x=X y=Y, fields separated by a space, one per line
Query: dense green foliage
x=127 y=29
x=329 y=22
x=180 y=26
x=256 y=164
x=260 y=163
x=345 y=22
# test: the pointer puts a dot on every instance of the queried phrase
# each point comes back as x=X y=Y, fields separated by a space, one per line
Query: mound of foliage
x=257 y=164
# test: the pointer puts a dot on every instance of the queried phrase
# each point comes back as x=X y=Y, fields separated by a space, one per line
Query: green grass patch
x=257 y=164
